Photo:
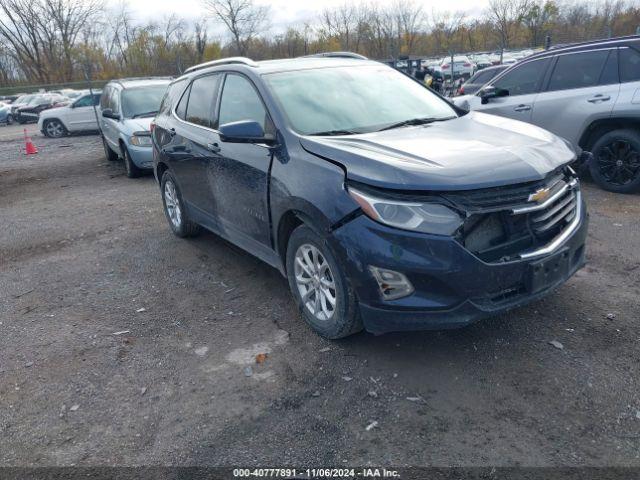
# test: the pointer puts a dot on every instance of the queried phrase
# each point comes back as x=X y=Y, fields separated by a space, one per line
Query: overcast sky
x=287 y=12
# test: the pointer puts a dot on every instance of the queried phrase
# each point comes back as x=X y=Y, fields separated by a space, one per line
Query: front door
x=518 y=88
x=238 y=174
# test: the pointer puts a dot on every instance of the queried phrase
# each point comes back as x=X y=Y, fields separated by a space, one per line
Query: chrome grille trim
x=563 y=236
x=549 y=201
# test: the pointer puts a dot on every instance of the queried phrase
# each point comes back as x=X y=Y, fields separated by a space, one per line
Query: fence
x=19 y=89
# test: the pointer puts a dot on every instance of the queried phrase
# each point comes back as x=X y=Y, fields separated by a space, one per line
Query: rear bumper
x=453 y=288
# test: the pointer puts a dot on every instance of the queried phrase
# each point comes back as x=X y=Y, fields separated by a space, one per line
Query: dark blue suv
x=384 y=205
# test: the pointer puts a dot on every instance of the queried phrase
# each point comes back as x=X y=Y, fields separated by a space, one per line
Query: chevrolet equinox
x=385 y=206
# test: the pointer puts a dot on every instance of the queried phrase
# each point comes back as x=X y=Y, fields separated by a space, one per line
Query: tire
x=108 y=153
x=616 y=161
x=132 y=169
x=54 y=128
x=181 y=225
x=9 y=119
x=331 y=321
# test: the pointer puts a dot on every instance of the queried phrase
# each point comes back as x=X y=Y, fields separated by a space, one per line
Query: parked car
x=462 y=67
x=5 y=114
x=30 y=112
x=21 y=101
x=384 y=205
x=128 y=105
x=586 y=93
x=76 y=117
x=479 y=79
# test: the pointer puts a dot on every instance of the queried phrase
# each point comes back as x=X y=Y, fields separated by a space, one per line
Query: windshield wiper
x=145 y=114
x=329 y=133
x=414 y=121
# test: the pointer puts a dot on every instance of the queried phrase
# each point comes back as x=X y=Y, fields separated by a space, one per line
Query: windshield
x=38 y=100
x=24 y=99
x=142 y=101
x=353 y=99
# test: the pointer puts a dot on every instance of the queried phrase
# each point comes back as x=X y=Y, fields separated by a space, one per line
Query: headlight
x=141 y=139
x=416 y=216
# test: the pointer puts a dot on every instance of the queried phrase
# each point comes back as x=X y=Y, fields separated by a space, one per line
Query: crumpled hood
x=473 y=151
x=138 y=124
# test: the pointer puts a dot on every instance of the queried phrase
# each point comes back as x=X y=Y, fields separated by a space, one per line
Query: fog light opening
x=392 y=284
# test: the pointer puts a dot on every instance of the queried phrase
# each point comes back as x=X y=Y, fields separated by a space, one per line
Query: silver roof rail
x=337 y=55
x=223 y=61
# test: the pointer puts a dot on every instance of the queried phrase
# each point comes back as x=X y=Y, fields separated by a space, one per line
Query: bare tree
x=507 y=16
x=242 y=18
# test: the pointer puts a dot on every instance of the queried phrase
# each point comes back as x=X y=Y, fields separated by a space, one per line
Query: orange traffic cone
x=29 y=147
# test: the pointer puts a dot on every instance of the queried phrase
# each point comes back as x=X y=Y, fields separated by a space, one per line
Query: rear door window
x=202 y=99
x=578 y=70
x=523 y=79
x=609 y=75
x=181 y=109
x=629 y=65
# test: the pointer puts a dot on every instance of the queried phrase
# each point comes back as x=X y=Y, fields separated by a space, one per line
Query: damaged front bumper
x=452 y=286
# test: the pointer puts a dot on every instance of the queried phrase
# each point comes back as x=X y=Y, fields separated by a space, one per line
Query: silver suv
x=587 y=93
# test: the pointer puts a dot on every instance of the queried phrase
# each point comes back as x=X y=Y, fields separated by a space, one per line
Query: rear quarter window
x=629 y=65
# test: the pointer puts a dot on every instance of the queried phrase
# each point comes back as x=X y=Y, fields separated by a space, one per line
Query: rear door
x=522 y=84
x=110 y=125
x=582 y=87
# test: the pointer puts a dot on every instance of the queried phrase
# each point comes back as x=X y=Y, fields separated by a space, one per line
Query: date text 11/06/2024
x=315 y=473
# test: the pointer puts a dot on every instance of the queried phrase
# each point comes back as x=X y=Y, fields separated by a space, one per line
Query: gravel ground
x=121 y=344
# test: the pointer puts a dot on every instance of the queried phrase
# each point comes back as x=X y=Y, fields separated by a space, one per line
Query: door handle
x=599 y=98
x=213 y=147
x=522 y=108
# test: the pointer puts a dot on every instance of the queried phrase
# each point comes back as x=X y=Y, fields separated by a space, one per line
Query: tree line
x=57 y=41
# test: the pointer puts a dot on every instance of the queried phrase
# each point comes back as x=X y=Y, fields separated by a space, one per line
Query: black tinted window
x=629 y=65
x=610 y=72
x=523 y=79
x=578 y=70
x=181 y=109
x=201 y=100
x=172 y=96
x=482 y=77
x=240 y=101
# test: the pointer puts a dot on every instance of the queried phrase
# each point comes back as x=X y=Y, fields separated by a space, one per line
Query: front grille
x=504 y=225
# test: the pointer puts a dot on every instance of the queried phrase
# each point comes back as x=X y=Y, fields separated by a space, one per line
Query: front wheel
x=322 y=291
x=616 y=161
x=132 y=169
x=9 y=119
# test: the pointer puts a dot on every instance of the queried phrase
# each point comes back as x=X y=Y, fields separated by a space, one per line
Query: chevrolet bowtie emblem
x=539 y=196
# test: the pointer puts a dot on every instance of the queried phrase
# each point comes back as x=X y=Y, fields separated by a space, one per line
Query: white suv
x=77 y=117
x=587 y=93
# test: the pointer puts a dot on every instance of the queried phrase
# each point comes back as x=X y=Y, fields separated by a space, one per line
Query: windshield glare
x=142 y=100
x=357 y=99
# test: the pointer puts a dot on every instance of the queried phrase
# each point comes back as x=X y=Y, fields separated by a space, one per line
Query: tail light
x=467 y=64
x=444 y=67
x=461 y=91
x=152 y=127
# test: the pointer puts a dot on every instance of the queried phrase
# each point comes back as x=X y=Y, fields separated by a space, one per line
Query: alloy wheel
x=54 y=129
x=172 y=203
x=619 y=162
x=315 y=282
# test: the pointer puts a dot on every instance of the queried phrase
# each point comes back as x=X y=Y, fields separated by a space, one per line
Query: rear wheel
x=108 y=153
x=174 y=209
x=322 y=291
x=54 y=128
x=616 y=161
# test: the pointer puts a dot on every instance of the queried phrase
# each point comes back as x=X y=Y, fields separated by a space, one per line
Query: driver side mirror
x=108 y=113
x=489 y=92
x=244 y=131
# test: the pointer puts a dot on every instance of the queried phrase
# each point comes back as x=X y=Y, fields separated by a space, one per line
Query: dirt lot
x=83 y=250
